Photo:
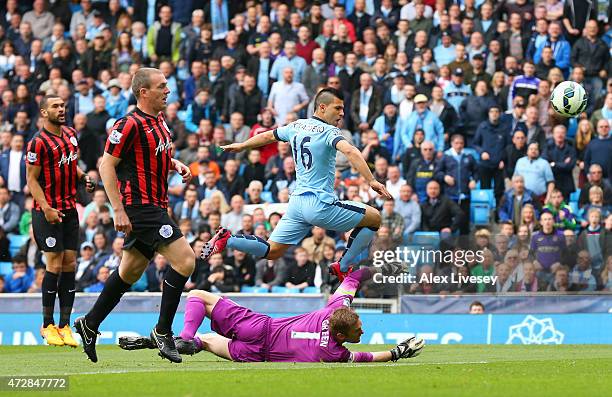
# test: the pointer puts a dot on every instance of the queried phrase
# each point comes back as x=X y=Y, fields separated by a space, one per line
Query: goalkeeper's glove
x=409 y=348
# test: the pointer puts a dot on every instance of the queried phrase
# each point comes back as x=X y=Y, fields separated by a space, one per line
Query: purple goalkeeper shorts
x=246 y=329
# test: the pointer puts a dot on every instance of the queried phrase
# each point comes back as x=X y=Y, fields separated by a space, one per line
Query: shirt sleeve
x=121 y=138
x=361 y=357
x=283 y=133
x=333 y=137
x=35 y=151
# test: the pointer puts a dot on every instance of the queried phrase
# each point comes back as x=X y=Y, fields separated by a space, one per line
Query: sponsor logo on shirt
x=72 y=156
x=163 y=145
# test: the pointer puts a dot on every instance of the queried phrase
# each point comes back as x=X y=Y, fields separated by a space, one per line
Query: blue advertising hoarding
x=23 y=329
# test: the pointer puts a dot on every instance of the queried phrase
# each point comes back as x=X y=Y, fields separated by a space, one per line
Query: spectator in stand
x=457 y=90
x=392 y=220
x=490 y=141
x=548 y=244
x=315 y=244
x=563 y=216
x=408 y=207
x=529 y=282
x=511 y=204
x=605 y=112
x=596 y=240
x=561 y=48
x=582 y=278
x=366 y=103
x=526 y=84
x=270 y=273
x=532 y=128
x=537 y=172
x=21 y=278
x=420 y=119
x=595 y=178
x=598 y=150
x=474 y=109
x=439 y=213
x=458 y=172
x=301 y=273
x=422 y=170
x=101 y=277
x=287 y=96
x=562 y=157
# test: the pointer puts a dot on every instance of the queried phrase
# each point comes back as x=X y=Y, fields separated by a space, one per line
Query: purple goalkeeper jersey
x=307 y=338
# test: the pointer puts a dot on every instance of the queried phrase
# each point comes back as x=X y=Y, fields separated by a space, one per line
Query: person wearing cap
x=85 y=264
x=116 y=104
x=514 y=118
x=478 y=71
x=421 y=118
x=456 y=91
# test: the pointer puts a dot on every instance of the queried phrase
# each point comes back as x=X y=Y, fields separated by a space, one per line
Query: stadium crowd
x=448 y=101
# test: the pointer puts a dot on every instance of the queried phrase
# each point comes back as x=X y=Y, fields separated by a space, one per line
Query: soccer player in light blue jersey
x=314 y=143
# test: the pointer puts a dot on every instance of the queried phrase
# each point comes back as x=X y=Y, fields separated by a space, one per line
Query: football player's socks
x=65 y=292
x=171 y=296
x=49 y=290
x=359 y=240
x=253 y=245
x=195 y=311
x=113 y=290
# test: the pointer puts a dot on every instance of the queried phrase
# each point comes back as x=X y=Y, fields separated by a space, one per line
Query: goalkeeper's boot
x=66 y=334
x=216 y=244
x=334 y=270
x=51 y=335
x=184 y=346
x=166 y=346
x=88 y=337
x=136 y=343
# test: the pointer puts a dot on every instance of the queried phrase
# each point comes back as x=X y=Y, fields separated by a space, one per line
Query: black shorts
x=152 y=228
x=59 y=237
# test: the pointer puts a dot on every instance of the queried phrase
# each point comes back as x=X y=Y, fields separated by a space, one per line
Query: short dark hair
x=43 y=102
x=326 y=95
x=477 y=303
x=20 y=259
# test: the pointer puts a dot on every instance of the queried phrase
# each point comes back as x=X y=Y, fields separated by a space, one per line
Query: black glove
x=409 y=348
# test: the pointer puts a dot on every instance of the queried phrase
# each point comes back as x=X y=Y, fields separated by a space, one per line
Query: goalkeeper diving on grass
x=246 y=336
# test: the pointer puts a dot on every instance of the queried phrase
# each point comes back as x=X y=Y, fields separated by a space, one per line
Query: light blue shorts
x=306 y=210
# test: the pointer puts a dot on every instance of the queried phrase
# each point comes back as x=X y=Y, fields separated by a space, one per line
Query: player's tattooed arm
x=254 y=142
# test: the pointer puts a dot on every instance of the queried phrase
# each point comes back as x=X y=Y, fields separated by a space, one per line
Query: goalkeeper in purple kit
x=246 y=336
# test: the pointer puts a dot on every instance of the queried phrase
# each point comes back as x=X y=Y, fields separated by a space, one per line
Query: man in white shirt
x=233 y=219
x=394 y=181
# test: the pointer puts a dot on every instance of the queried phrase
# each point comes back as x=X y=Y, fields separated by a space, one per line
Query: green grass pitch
x=441 y=370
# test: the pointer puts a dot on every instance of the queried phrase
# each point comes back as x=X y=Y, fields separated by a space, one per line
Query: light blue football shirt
x=313 y=145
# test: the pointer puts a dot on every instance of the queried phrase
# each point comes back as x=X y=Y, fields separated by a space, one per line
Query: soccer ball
x=569 y=99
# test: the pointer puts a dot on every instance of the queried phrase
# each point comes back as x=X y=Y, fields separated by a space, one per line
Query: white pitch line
x=249 y=368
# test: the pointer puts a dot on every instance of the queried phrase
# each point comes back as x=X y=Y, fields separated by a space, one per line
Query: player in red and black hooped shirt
x=52 y=176
x=134 y=170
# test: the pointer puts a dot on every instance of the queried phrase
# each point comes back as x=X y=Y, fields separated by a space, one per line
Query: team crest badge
x=115 y=137
x=50 y=241
x=74 y=141
x=166 y=231
x=32 y=157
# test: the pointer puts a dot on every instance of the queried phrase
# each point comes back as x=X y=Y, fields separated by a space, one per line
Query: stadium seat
x=473 y=152
x=277 y=289
x=480 y=213
x=427 y=239
x=260 y=290
x=574 y=206
x=6 y=268
x=311 y=290
x=16 y=241
x=247 y=289
x=483 y=196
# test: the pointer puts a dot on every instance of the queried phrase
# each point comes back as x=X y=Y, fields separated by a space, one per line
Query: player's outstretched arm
x=409 y=348
x=108 y=173
x=355 y=157
x=254 y=142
